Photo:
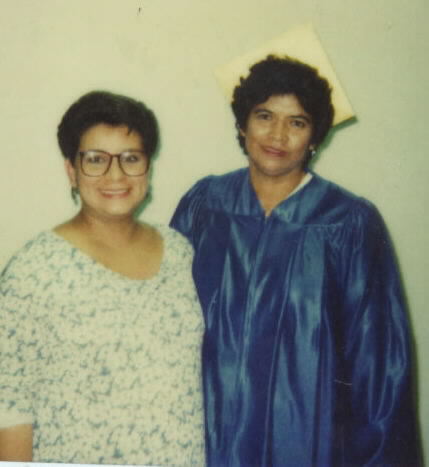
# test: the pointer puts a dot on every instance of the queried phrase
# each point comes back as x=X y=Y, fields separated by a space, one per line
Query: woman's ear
x=71 y=173
x=240 y=130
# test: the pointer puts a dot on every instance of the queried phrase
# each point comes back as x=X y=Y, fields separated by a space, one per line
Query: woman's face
x=113 y=195
x=277 y=137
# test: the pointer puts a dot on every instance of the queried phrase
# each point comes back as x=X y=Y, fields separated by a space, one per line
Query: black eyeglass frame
x=111 y=157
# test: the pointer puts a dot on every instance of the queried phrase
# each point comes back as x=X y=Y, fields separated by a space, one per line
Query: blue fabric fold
x=306 y=355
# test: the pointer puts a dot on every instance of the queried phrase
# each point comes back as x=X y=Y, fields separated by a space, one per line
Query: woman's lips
x=273 y=151
x=115 y=193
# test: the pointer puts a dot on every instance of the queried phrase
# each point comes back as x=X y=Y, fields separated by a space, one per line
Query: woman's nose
x=115 y=171
x=279 y=131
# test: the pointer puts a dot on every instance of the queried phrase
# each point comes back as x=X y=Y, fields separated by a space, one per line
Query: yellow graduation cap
x=300 y=43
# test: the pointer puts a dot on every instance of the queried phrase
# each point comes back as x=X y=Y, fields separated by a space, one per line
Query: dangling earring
x=312 y=152
x=75 y=194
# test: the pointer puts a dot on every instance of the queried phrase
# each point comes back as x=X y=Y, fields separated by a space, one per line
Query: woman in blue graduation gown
x=306 y=356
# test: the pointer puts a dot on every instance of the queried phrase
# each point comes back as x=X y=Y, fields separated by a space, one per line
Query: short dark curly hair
x=98 y=107
x=279 y=76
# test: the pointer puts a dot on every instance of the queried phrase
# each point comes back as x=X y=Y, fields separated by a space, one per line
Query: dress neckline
x=101 y=267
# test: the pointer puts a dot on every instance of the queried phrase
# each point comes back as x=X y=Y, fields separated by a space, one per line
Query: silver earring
x=312 y=153
x=75 y=195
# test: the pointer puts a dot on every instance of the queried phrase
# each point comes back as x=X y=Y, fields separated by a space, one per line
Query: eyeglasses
x=95 y=163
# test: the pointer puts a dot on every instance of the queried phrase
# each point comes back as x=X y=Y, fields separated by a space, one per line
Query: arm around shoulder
x=16 y=443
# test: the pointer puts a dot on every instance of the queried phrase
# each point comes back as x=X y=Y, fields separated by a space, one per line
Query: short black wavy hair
x=279 y=76
x=98 y=107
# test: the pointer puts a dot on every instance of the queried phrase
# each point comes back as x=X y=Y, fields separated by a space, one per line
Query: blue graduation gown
x=306 y=356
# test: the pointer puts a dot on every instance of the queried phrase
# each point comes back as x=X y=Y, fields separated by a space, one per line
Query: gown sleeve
x=186 y=217
x=15 y=340
x=379 y=417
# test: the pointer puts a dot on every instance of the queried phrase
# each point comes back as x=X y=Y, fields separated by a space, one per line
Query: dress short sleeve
x=15 y=338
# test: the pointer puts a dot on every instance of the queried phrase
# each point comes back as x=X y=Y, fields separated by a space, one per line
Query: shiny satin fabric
x=306 y=356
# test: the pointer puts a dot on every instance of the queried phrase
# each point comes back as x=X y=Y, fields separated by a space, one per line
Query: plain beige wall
x=164 y=52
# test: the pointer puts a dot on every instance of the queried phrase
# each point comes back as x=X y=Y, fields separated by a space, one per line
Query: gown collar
x=284 y=210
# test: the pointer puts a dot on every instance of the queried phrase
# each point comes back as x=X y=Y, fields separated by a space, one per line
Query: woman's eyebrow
x=302 y=117
x=261 y=109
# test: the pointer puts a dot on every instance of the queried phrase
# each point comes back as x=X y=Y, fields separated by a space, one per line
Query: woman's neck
x=110 y=232
x=125 y=246
x=271 y=191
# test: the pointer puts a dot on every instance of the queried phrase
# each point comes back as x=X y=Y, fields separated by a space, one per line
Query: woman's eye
x=95 y=160
x=131 y=158
x=298 y=123
x=263 y=116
